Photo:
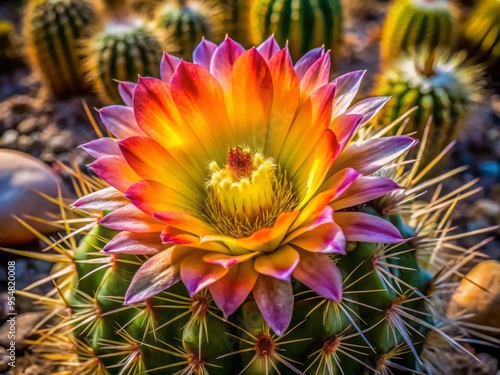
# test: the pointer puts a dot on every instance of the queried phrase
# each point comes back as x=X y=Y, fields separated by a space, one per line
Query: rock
x=20 y=176
x=23 y=327
x=9 y=138
x=60 y=143
x=27 y=126
x=4 y=359
x=486 y=208
x=478 y=295
x=29 y=143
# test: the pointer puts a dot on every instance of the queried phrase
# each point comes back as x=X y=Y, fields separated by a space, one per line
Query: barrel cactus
x=416 y=24
x=304 y=24
x=227 y=242
x=123 y=48
x=53 y=29
x=441 y=84
x=185 y=22
x=481 y=35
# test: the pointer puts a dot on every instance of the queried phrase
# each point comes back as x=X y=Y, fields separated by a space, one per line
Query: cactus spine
x=122 y=49
x=481 y=36
x=185 y=22
x=416 y=24
x=305 y=24
x=440 y=84
x=53 y=29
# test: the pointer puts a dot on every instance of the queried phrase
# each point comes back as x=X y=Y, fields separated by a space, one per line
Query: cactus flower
x=238 y=172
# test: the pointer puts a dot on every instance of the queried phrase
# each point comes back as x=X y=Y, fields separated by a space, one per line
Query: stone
x=9 y=138
x=21 y=175
x=23 y=326
x=478 y=295
x=4 y=359
x=486 y=208
x=27 y=126
x=60 y=143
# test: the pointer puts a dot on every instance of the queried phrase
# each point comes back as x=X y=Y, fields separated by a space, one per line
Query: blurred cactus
x=414 y=24
x=7 y=49
x=481 y=36
x=237 y=20
x=185 y=22
x=122 y=49
x=441 y=84
x=52 y=29
x=305 y=24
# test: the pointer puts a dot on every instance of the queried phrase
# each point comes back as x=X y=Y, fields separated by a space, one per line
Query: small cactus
x=53 y=29
x=416 y=24
x=441 y=84
x=122 y=49
x=481 y=36
x=304 y=24
x=185 y=22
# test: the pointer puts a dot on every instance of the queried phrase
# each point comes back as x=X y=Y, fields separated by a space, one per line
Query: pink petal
x=126 y=91
x=368 y=108
x=316 y=76
x=318 y=272
x=323 y=236
x=279 y=264
x=344 y=126
x=197 y=274
x=115 y=171
x=230 y=291
x=223 y=60
x=167 y=66
x=157 y=274
x=227 y=261
x=362 y=227
x=306 y=61
x=369 y=156
x=347 y=88
x=364 y=189
x=101 y=147
x=120 y=121
x=108 y=199
x=131 y=219
x=135 y=243
x=202 y=54
x=269 y=48
x=275 y=301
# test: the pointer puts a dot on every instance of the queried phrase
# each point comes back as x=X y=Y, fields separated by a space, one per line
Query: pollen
x=246 y=194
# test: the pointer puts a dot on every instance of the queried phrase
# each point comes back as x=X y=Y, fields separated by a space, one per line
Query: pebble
x=29 y=143
x=24 y=327
x=486 y=208
x=4 y=359
x=28 y=125
x=9 y=138
x=489 y=168
x=20 y=175
x=59 y=143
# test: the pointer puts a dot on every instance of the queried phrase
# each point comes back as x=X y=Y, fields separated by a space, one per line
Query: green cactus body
x=440 y=84
x=121 y=50
x=305 y=24
x=185 y=23
x=415 y=24
x=53 y=29
x=237 y=20
x=481 y=36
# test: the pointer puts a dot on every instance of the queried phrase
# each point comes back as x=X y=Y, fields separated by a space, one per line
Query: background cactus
x=123 y=48
x=441 y=84
x=185 y=22
x=481 y=36
x=391 y=303
x=416 y=24
x=53 y=29
x=7 y=50
x=305 y=24
x=237 y=18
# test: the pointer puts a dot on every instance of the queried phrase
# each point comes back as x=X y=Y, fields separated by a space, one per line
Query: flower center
x=247 y=194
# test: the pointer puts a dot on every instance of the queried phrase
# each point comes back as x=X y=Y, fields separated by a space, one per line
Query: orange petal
x=279 y=264
x=252 y=92
x=197 y=274
x=286 y=91
x=199 y=98
x=152 y=162
x=228 y=260
x=185 y=222
x=115 y=171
